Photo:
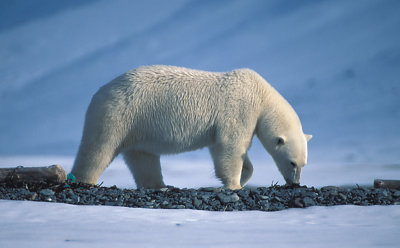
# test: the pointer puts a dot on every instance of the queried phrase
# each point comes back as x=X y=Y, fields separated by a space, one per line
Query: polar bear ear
x=279 y=140
x=308 y=136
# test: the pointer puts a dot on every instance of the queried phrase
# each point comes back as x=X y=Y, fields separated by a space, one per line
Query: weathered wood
x=391 y=184
x=51 y=174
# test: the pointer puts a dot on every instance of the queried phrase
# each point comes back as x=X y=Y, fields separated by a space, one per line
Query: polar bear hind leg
x=99 y=146
x=91 y=161
x=145 y=167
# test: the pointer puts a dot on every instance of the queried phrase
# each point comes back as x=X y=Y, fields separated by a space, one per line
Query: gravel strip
x=272 y=198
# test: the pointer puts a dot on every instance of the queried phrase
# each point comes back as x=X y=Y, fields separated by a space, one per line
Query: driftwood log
x=390 y=184
x=50 y=174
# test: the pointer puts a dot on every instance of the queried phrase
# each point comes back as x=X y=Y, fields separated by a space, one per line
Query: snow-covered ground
x=35 y=224
x=337 y=62
x=194 y=172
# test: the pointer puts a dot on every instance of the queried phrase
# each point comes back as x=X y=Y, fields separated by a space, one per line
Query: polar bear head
x=282 y=136
x=290 y=155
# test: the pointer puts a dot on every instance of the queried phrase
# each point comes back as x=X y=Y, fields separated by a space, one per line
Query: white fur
x=155 y=110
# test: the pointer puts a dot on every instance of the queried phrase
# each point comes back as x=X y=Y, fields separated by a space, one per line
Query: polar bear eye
x=293 y=164
x=280 y=141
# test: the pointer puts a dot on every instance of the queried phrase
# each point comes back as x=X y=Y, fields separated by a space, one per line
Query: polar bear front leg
x=247 y=171
x=146 y=169
x=228 y=163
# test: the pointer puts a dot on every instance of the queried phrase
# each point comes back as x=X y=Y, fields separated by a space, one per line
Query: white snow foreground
x=39 y=224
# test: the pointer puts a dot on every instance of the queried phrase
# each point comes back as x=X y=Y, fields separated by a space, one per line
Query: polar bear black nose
x=293 y=164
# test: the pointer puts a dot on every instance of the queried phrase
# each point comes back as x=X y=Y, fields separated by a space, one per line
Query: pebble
x=272 y=198
x=207 y=189
x=47 y=192
x=298 y=203
x=197 y=202
x=228 y=198
x=34 y=196
x=329 y=188
x=343 y=196
x=308 y=202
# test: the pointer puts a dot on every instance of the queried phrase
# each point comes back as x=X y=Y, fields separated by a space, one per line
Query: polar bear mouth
x=290 y=183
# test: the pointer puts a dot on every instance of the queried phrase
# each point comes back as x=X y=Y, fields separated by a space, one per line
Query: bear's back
x=173 y=105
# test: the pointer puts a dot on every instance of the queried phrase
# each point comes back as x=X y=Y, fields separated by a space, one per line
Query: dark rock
x=206 y=197
x=243 y=193
x=343 y=196
x=218 y=190
x=47 y=192
x=228 y=198
x=310 y=194
x=299 y=191
x=197 y=203
x=330 y=190
x=308 y=202
x=215 y=203
x=216 y=199
x=396 y=194
x=34 y=196
x=207 y=189
x=298 y=203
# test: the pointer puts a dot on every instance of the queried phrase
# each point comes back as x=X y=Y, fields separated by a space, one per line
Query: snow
x=186 y=171
x=337 y=62
x=33 y=224
x=38 y=224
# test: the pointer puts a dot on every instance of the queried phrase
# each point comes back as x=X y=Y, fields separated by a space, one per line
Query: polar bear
x=155 y=110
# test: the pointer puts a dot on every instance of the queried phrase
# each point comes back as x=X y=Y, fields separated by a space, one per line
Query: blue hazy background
x=337 y=63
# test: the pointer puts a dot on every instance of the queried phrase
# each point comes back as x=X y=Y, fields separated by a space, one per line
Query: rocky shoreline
x=272 y=198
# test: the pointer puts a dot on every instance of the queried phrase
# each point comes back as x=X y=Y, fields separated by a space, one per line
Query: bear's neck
x=277 y=117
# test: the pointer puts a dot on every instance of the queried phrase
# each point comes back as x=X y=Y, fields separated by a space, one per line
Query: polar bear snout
x=294 y=185
x=292 y=175
x=291 y=182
